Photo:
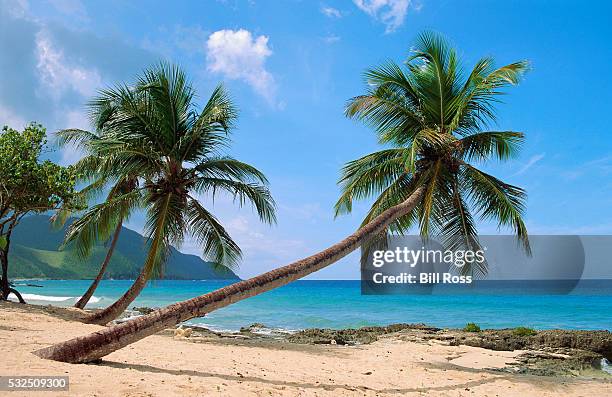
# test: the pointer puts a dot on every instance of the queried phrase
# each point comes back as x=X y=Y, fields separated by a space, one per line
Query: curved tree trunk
x=92 y=288
x=116 y=309
x=92 y=347
x=5 y=282
x=17 y=294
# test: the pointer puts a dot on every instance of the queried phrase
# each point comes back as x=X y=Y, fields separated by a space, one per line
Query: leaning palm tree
x=434 y=117
x=162 y=153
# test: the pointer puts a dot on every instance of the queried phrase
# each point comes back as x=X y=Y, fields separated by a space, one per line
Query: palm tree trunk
x=107 y=315
x=92 y=288
x=92 y=347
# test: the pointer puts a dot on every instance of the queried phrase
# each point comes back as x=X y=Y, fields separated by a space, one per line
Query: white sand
x=163 y=366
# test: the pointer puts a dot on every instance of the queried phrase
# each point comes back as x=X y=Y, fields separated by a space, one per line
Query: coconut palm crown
x=158 y=152
x=435 y=119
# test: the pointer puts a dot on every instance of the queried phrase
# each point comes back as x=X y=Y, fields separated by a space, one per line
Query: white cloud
x=72 y=8
x=238 y=55
x=530 y=163
x=8 y=117
x=56 y=75
x=16 y=8
x=331 y=12
x=390 y=12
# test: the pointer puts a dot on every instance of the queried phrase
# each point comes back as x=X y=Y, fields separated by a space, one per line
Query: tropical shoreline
x=404 y=359
x=340 y=304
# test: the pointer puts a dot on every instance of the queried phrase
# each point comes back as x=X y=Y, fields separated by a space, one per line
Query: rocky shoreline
x=544 y=353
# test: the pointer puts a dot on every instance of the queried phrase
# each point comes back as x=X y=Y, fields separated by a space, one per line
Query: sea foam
x=51 y=298
x=46 y=298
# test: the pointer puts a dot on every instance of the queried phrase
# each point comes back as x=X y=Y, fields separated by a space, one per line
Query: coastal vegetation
x=435 y=118
x=471 y=327
x=524 y=331
x=28 y=185
x=160 y=154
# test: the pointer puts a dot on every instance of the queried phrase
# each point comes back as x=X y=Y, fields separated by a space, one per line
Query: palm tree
x=433 y=117
x=162 y=153
x=98 y=223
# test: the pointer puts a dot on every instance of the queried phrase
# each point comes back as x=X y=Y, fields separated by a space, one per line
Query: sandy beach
x=163 y=365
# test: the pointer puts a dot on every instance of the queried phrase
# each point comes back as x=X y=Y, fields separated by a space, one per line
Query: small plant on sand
x=524 y=331
x=471 y=327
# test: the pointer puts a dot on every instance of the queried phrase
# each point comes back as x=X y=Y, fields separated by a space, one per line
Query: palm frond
x=217 y=244
x=257 y=195
x=369 y=175
x=497 y=200
x=483 y=146
x=459 y=233
x=224 y=167
x=74 y=136
x=99 y=222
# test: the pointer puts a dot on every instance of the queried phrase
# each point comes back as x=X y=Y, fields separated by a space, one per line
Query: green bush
x=471 y=327
x=524 y=331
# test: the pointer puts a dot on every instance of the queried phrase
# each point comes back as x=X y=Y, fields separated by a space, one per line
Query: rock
x=205 y=331
x=554 y=363
x=599 y=342
x=252 y=327
x=595 y=341
x=362 y=335
x=143 y=309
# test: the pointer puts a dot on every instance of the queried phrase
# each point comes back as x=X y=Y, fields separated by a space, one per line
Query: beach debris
x=181 y=332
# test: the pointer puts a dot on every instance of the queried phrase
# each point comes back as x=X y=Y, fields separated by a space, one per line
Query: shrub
x=471 y=327
x=524 y=331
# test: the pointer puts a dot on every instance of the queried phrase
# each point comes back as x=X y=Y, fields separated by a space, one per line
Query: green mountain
x=34 y=254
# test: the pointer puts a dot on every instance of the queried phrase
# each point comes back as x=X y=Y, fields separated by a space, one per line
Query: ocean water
x=339 y=304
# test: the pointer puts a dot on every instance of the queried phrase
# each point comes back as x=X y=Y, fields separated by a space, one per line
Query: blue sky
x=291 y=65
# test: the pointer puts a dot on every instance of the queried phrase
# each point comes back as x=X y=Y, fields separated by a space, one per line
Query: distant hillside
x=34 y=254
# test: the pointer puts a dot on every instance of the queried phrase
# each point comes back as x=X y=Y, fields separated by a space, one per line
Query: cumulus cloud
x=331 y=12
x=390 y=12
x=238 y=55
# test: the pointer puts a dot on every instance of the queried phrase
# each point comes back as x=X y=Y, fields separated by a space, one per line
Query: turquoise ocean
x=340 y=304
